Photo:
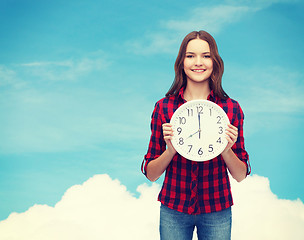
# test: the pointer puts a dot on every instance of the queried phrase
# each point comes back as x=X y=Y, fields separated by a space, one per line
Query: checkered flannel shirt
x=194 y=187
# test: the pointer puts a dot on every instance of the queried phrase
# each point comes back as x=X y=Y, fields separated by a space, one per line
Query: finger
x=230 y=141
x=232 y=126
x=232 y=129
x=231 y=137
x=167 y=129
x=168 y=133
x=233 y=134
x=167 y=126
x=167 y=138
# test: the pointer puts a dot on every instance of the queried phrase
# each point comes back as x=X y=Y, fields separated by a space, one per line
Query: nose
x=198 y=61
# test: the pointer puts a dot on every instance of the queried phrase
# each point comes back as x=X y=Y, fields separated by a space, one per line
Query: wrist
x=226 y=153
x=171 y=152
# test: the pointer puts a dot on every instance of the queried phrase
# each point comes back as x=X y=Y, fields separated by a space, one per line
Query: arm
x=157 y=166
x=236 y=167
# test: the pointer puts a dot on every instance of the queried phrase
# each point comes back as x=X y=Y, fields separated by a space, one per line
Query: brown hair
x=215 y=81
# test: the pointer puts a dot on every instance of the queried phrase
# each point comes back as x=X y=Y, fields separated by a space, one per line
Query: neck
x=197 y=90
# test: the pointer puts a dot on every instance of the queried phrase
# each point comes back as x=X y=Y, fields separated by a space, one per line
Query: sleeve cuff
x=144 y=167
x=248 y=166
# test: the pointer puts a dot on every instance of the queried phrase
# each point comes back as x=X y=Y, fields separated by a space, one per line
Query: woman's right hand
x=168 y=133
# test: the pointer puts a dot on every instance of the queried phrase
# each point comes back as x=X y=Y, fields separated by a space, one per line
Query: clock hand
x=191 y=135
x=199 y=125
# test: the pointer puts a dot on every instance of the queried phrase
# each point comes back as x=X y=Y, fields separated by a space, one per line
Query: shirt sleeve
x=157 y=144
x=239 y=146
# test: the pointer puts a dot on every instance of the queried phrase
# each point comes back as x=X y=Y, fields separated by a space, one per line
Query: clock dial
x=199 y=130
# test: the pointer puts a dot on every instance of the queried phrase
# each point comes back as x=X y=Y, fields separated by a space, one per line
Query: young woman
x=196 y=194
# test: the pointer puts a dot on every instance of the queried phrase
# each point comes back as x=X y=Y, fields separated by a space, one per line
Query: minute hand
x=199 y=125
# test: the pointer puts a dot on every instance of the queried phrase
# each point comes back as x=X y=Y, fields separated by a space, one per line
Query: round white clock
x=199 y=130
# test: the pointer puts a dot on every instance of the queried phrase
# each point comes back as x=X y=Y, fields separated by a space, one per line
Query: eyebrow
x=194 y=53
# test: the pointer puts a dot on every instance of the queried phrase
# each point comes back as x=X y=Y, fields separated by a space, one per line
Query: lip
x=198 y=70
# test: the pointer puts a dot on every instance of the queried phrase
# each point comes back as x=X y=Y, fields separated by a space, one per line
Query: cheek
x=209 y=64
x=186 y=64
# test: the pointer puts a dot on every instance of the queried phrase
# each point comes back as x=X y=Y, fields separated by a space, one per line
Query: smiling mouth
x=198 y=70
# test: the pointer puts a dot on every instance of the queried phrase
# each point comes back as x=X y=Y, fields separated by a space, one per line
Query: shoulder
x=167 y=102
x=232 y=108
x=236 y=106
x=230 y=103
x=166 y=106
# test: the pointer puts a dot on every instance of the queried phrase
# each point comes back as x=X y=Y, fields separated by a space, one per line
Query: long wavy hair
x=215 y=81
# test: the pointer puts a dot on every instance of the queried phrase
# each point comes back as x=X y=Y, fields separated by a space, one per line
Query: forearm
x=157 y=166
x=236 y=167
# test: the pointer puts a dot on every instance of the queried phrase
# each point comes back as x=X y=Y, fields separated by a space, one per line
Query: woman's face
x=198 y=64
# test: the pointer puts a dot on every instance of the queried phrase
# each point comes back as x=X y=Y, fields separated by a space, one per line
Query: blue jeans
x=175 y=225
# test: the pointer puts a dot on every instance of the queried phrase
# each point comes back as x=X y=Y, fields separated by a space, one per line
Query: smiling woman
x=196 y=194
x=203 y=49
x=71 y=111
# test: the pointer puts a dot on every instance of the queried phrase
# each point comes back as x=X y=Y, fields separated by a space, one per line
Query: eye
x=207 y=56
x=189 y=56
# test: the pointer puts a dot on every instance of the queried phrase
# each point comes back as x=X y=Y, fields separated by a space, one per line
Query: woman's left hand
x=231 y=136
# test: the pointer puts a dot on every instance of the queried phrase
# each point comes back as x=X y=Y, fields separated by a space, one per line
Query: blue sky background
x=79 y=80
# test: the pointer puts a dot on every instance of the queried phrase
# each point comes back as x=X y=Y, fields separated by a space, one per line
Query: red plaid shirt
x=194 y=187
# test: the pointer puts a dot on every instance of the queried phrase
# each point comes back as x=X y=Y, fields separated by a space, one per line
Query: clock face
x=199 y=130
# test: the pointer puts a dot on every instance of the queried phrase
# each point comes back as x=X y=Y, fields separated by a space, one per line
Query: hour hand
x=191 y=135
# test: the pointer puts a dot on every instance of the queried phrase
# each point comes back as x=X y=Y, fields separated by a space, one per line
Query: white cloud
x=45 y=64
x=72 y=119
x=270 y=96
x=66 y=70
x=8 y=77
x=258 y=4
x=211 y=19
x=271 y=89
x=55 y=116
x=259 y=214
x=152 y=43
x=102 y=208
x=214 y=18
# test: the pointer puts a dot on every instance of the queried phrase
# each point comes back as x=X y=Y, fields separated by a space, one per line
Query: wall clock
x=199 y=130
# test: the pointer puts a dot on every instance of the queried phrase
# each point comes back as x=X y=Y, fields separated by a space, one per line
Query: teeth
x=198 y=70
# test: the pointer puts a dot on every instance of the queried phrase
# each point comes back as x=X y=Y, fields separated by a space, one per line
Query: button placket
x=194 y=183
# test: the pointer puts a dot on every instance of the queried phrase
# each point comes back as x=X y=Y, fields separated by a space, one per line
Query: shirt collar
x=212 y=96
x=181 y=94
